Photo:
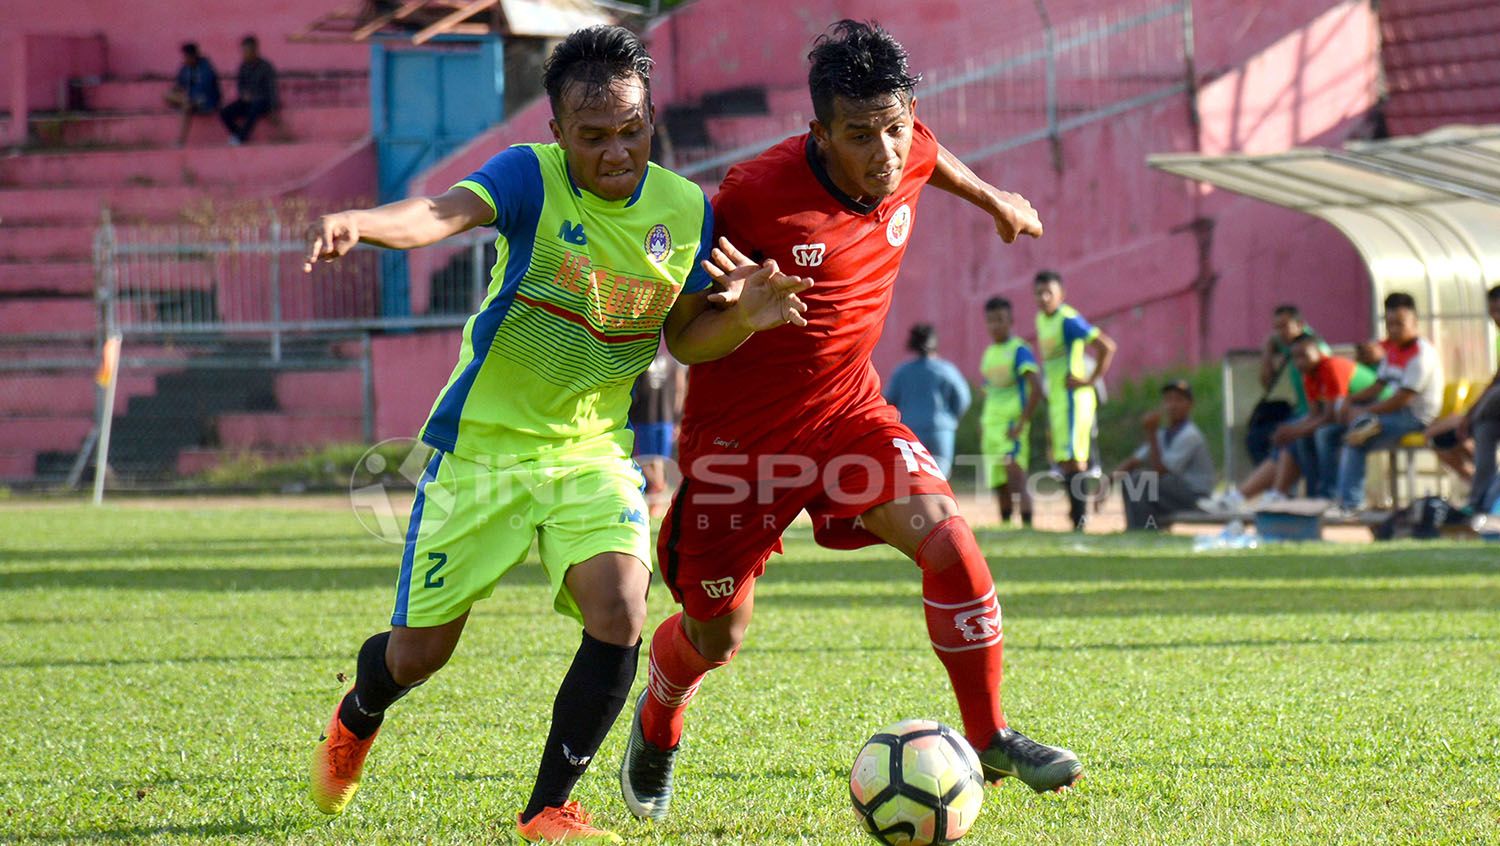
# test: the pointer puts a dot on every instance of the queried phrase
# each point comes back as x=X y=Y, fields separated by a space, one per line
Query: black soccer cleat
x=1043 y=768
x=646 y=771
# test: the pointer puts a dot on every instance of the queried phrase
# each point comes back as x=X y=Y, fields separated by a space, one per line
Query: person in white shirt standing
x=1413 y=369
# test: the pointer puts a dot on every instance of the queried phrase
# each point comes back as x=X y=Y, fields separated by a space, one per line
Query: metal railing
x=1056 y=80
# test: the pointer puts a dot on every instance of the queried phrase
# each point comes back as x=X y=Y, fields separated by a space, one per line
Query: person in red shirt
x=1310 y=444
x=795 y=420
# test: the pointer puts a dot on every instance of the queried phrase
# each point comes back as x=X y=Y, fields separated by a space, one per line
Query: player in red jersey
x=794 y=419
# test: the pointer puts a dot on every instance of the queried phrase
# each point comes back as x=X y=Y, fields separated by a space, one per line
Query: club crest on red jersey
x=658 y=242
x=899 y=227
x=808 y=255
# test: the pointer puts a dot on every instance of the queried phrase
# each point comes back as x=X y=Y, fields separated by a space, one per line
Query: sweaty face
x=1401 y=325
x=866 y=145
x=998 y=321
x=1049 y=296
x=607 y=138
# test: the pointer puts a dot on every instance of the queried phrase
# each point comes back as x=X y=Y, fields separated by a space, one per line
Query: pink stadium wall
x=1177 y=273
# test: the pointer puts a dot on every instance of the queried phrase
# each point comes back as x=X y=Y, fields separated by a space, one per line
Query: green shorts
x=471 y=522
x=1071 y=415
x=1001 y=452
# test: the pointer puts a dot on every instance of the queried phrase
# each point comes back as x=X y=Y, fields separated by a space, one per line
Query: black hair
x=1494 y=293
x=250 y=41
x=858 y=61
x=1287 y=309
x=595 y=58
x=922 y=339
x=190 y=49
x=996 y=304
x=1305 y=338
x=1400 y=299
x=1045 y=276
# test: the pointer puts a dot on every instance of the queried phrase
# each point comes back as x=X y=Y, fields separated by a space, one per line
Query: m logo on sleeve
x=719 y=588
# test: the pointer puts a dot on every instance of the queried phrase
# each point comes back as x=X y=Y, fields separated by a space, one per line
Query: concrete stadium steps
x=22 y=206
x=320 y=392
x=270 y=164
x=250 y=430
x=47 y=432
x=44 y=394
x=66 y=277
x=194 y=461
x=160 y=129
x=33 y=315
x=40 y=242
x=1441 y=62
x=298 y=89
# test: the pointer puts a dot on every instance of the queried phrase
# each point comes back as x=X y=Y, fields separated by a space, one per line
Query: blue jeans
x=1328 y=443
x=1393 y=427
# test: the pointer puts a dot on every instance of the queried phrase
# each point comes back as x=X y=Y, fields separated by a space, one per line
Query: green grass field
x=164 y=673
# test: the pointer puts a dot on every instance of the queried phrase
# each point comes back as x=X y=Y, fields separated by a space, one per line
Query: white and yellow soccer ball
x=917 y=783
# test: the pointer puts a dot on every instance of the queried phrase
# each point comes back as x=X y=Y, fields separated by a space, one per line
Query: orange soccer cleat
x=568 y=824
x=337 y=763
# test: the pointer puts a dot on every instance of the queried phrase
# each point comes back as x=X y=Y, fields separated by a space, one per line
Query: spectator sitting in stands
x=196 y=90
x=258 y=96
x=1413 y=368
x=1309 y=446
x=1275 y=359
x=931 y=395
x=1175 y=454
x=1483 y=422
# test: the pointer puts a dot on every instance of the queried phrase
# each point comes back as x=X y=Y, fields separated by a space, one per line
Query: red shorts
x=729 y=513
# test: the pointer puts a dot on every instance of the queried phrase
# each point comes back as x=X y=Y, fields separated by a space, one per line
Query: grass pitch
x=164 y=674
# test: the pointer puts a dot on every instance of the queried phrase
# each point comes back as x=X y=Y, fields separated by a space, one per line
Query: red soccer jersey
x=783 y=385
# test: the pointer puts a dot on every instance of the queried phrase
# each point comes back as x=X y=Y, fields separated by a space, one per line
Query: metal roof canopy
x=1424 y=213
x=424 y=20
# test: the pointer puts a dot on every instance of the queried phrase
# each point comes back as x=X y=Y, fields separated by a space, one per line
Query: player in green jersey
x=599 y=253
x=1011 y=392
x=1064 y=338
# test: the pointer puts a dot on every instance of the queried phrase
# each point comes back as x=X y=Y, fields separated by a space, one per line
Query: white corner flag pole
x=106 y=378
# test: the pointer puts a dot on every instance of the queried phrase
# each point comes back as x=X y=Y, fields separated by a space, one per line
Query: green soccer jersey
x=1004 y=367
x=576 y=301
x=1062 y=338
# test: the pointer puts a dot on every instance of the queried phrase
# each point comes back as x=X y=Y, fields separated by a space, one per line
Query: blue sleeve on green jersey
x=1023 y=358
x=514 y=179
x=697 y=279
x=1075 y=328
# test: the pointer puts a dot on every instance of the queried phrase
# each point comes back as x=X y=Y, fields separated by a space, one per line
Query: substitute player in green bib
x=1064 y=339
x=1011 y=392
x=598 y=256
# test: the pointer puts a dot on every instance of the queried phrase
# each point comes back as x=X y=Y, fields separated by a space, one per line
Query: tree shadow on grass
x=233 y=579
x=1194 y=600
x=136 y=833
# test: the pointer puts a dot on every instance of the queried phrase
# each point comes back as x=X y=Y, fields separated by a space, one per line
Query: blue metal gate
x=425 y=103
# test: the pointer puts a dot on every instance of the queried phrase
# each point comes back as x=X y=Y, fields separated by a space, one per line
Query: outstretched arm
x=402 y=225
x=703 y=327
x=1013 y=215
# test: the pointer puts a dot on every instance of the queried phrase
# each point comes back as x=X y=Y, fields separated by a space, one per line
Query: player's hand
x=1283 y=436
x=1464 y=429
x=1074 y=383
x=1014 y=217
x=729 y=268
x=1151 y=421
x=1013 y=431
x=332 y=236
x=769 y=299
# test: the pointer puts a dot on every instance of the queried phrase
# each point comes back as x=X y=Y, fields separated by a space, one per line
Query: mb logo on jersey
x=658 y=242
x=808 y=255
x=573 y=233
x=719 y=588
x=899 y=227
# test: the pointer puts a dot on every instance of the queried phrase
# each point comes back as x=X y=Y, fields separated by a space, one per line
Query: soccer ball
x=917 y=783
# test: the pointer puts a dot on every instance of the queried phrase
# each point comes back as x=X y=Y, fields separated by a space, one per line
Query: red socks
x=963 y=623
x=676 y=671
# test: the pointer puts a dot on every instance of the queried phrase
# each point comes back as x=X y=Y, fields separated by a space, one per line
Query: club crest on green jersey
x=658 y=242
